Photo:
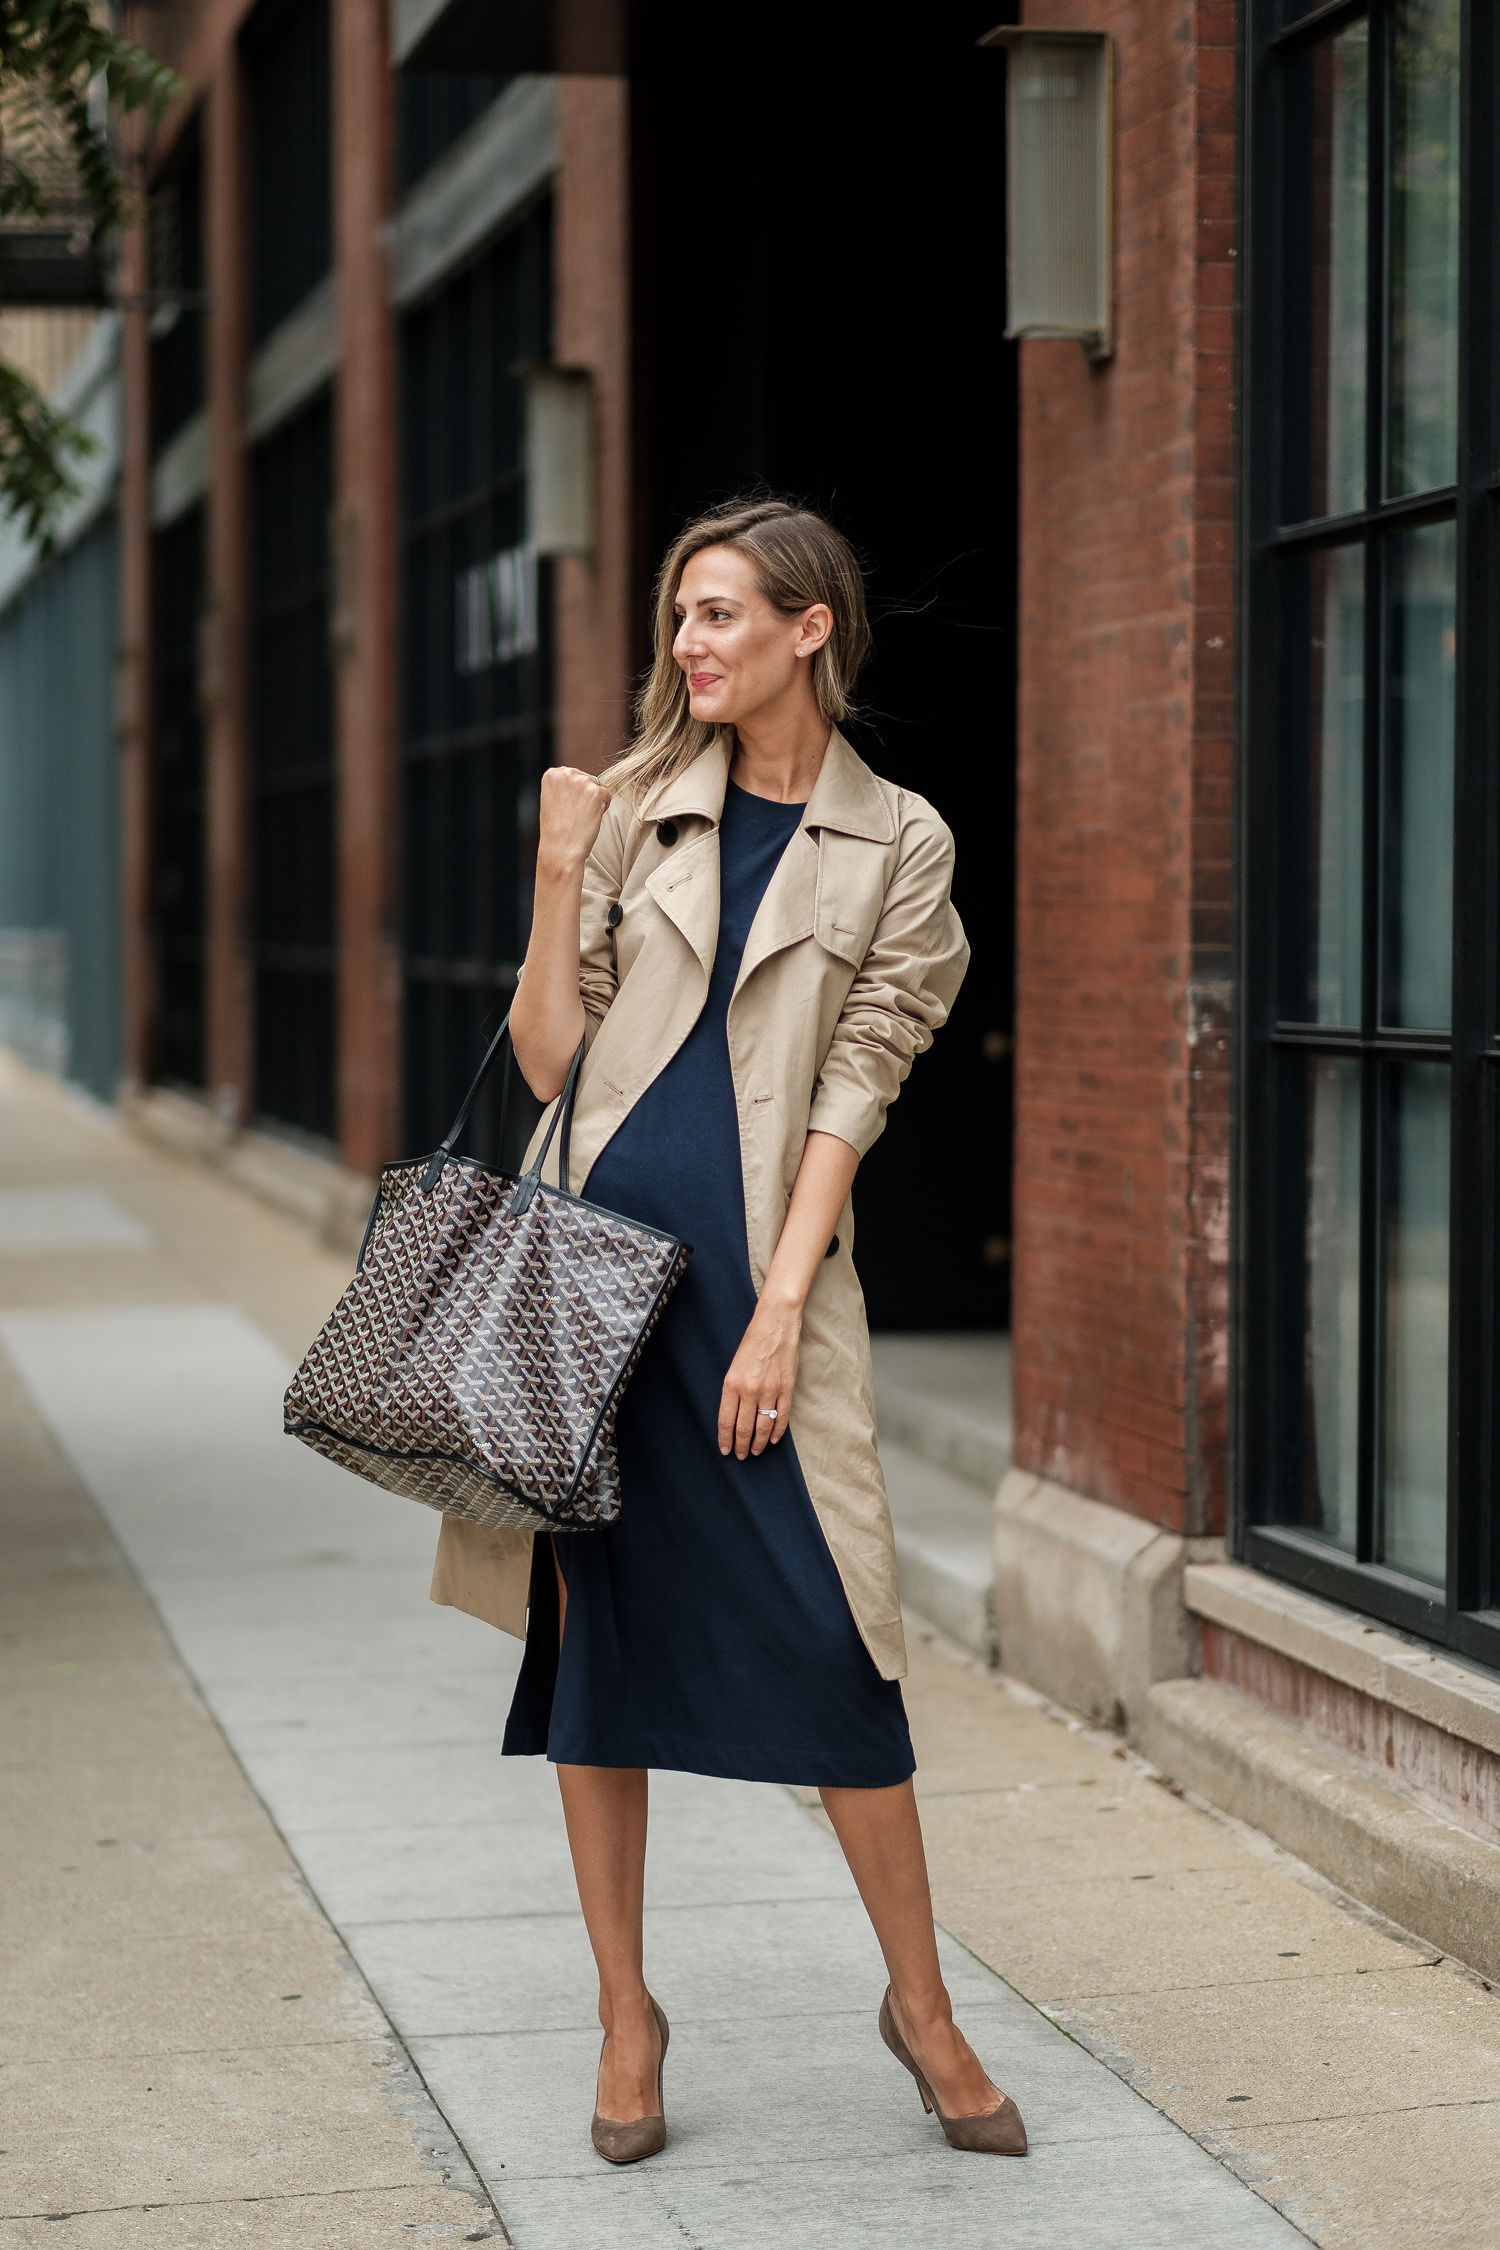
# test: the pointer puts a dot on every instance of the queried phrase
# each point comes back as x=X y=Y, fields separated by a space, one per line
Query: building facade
x=445 y=318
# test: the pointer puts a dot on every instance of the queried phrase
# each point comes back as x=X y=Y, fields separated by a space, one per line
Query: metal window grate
x=433 y=110
x=476 y=668
x=175 y=277
x=292 y=760
x=290 y=156
x=177 y=833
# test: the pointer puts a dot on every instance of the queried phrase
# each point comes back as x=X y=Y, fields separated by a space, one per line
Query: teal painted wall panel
x=59 y=787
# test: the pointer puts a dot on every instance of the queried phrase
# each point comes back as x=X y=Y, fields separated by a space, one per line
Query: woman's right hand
x=546 y=1018
x=573 y=806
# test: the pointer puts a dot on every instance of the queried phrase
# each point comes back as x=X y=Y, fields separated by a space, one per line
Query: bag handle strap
x=562 y=1113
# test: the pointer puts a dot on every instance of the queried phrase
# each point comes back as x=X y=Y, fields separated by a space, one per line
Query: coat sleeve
x=598 y=980
x=901 y=994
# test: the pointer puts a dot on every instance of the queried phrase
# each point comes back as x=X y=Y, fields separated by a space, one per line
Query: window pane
x=1418 y=853
x=1424 y=245
x=1330 y=1444
x=1326 y=371
x=1414 y=1500
x=1325 y=980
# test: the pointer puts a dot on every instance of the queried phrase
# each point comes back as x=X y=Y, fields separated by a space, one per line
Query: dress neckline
x=755 y=799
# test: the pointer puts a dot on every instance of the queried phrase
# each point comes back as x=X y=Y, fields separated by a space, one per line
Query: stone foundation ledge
x=1374 y=1758
x=1088 y=1599
x=329 y=1199
x=1435 y=1879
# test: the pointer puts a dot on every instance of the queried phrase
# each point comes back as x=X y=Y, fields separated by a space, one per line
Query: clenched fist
x=573 y=805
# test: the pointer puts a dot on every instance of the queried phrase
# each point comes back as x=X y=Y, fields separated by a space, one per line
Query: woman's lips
x=702 y=679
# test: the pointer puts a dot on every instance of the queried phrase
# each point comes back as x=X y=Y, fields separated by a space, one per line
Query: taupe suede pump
x=998 y=2132
x=627 y=2141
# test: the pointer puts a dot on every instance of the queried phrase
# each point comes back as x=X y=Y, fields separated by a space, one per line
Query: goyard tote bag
x=477 y=1359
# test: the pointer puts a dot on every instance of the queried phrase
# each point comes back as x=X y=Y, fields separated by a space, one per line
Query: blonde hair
x=798 y=559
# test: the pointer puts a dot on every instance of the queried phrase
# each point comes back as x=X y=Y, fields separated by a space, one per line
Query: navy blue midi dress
x=707 y=1628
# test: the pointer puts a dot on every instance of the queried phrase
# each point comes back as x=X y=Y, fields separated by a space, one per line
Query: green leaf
x=36 y=443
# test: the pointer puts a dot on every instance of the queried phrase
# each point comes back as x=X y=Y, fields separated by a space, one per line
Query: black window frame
x=1465 y=1616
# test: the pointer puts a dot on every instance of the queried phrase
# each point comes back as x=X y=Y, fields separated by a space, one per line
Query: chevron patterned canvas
x=477 y=1359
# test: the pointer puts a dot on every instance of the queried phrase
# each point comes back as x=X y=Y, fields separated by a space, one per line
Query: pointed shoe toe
x=996 y=2132
x=999 y=2132
x=627 y=2144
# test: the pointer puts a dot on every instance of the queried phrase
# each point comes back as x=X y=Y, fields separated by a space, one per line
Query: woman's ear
x=817 y=624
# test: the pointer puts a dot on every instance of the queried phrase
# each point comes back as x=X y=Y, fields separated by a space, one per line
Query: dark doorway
x=820 y=296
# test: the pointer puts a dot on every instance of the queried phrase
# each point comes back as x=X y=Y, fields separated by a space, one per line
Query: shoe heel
x=997 y=2132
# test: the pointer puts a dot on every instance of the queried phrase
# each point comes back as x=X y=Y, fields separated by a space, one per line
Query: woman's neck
x=779 y=756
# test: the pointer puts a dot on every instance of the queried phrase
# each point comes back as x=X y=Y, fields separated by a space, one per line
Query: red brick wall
x=591 y=328
x=1121 y=1234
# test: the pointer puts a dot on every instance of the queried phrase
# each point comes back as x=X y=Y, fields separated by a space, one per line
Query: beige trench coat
x=852 y=963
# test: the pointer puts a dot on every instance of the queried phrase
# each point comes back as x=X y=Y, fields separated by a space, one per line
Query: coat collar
x=846 y=799
x=846 y=796
x=698 y=791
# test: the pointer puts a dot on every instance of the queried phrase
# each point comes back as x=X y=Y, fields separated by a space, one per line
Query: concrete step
x=946 y=1399
x=944 y=1549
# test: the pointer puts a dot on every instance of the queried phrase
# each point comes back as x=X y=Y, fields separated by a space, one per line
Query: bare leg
x=882 y=1839
x=605 y=1809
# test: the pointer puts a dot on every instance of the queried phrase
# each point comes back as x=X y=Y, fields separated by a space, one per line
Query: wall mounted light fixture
x=559 y=460
x=1060 y=248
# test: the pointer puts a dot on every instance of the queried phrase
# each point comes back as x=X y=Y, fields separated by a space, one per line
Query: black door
x=841 y=340
x=476 y=671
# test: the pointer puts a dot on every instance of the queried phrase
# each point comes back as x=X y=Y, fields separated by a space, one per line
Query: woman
x=766 y=942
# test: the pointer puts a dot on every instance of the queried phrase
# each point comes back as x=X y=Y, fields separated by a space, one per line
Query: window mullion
x=1473 y=1467
x=1371 y=1259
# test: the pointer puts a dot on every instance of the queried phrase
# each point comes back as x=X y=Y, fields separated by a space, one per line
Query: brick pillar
x=223 y=682
x=591 y=328
x=364 y=614
x=1121 y=1235
x=134 y=719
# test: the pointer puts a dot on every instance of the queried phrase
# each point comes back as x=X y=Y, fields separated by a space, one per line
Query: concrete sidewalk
x=324 y=1980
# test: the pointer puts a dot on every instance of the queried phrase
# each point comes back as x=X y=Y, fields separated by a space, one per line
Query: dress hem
x=819 y=1770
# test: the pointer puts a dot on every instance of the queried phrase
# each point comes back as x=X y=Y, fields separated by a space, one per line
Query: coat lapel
x=685 y=881
x=845 y=801
x=686 y=888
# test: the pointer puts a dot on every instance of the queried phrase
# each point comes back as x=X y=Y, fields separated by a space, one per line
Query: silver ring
x=772 y=1411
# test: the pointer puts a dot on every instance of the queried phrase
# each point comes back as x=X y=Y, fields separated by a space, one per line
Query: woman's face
x=741 y=656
